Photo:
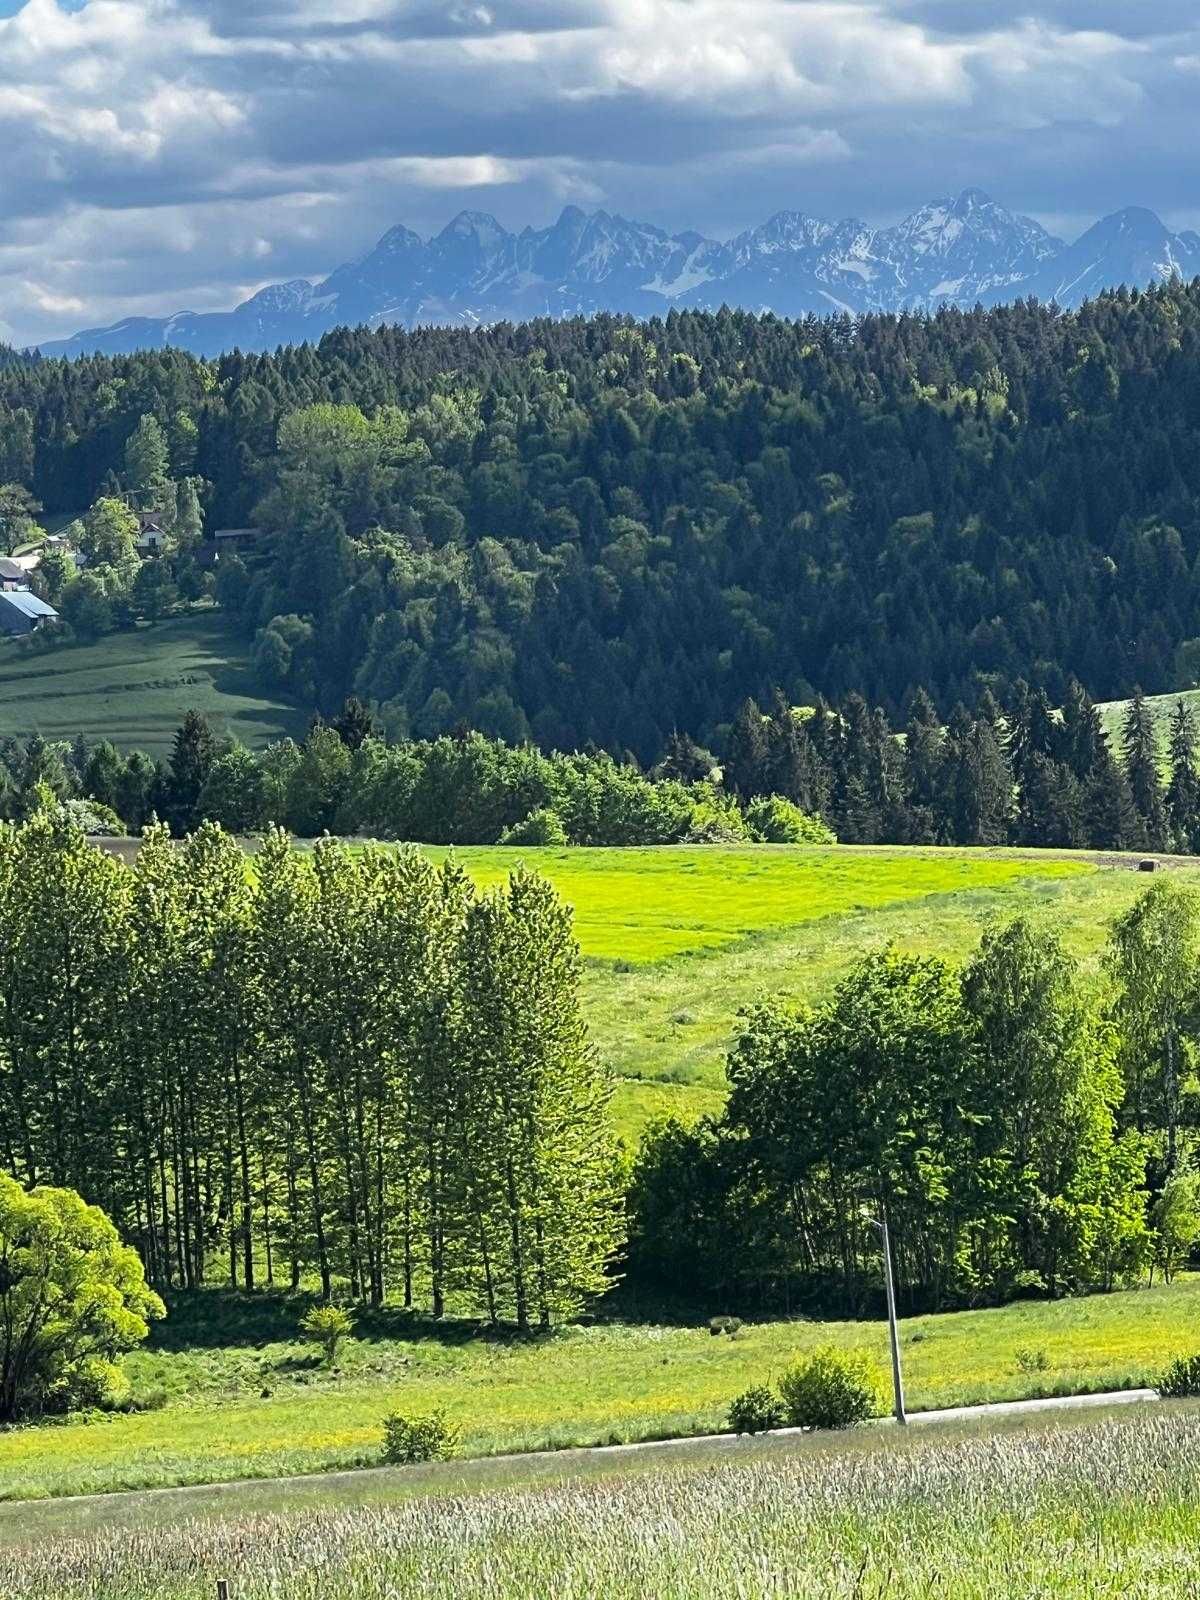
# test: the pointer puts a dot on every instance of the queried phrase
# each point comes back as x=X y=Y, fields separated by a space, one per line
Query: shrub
x=756 y=1410
x=72 y=1298
x=831 y=1388
x=541 y=827
x=772 y=819
x=1031 y=1360
x=1181 y=1380
x=409 y=1440
x=327 y=1326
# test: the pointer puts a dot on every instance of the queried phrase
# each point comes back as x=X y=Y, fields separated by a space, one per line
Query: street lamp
x=880 y=1224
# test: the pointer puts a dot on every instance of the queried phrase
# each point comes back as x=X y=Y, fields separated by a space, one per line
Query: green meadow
x=135 y=687
x=678 y=939
x=240 y=1397
x=675 y=941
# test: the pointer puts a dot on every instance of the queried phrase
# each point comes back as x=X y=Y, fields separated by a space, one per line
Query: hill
x=610 y=531
x=962 y=251
x=678 y=939
x=134 y=688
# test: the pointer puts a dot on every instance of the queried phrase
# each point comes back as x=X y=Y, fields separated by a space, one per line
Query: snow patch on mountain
x=957 y=251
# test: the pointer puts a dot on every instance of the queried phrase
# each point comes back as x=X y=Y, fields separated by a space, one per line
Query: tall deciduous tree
x=1152 y=958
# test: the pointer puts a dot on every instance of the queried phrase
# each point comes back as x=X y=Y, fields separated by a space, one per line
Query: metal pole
x=893 y=1329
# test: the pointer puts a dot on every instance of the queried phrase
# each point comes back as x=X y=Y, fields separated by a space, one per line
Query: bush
x=409 y=1440
x=772 y=819
x=831 y=1388
x=1032 y=1360
x=327 y=1326
x=756 y=1410
x=541 y=827
x=1181 y=1380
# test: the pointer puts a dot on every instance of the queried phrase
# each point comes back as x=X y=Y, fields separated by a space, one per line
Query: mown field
x=134 y=688
x=244 y=1399
x=1098 y=1506
x=678 y=939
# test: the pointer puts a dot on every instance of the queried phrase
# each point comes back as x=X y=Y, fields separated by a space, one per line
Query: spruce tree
x=1139 y=747
x=1183 y=790
x=747 y=753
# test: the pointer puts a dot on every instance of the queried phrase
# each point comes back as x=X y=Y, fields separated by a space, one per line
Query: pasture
x=240 y=1397
x=676 y=940
x=134 y=688
x=1097 y=1505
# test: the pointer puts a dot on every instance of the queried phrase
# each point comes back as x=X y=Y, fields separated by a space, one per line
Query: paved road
x=76 y=1513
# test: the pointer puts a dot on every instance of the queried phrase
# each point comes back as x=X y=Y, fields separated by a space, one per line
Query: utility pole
x=880 y=1225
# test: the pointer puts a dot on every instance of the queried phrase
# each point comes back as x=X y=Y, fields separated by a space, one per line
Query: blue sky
x=162 y=154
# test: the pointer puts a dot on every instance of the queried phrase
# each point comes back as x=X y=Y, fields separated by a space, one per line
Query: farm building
x=151 y=539
x=235 y=538
x=22 y=611
x=12 y=574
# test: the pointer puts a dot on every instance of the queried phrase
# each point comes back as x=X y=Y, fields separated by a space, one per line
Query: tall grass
x=1099 y=1508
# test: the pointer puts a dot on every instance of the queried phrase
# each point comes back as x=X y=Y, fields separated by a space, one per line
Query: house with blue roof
x=21 y=611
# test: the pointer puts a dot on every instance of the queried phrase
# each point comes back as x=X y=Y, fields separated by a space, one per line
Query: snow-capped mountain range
x=958 y=252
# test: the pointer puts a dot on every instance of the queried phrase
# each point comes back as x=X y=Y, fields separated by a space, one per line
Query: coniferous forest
x=606 y=531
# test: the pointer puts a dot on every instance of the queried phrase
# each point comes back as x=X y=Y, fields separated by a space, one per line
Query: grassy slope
x=134 y=688
x=759 y=921
x=679 y=939
x=1161 y=706
x=586 y=1385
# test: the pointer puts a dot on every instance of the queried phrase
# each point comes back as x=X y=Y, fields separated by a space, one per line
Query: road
x=83 y=1513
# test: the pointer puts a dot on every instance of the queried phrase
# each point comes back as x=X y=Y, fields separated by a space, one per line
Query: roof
x=11 y=571
x=236 y=533
x=27 y=603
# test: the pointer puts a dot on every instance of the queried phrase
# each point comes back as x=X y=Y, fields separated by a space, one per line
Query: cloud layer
x=171 y=153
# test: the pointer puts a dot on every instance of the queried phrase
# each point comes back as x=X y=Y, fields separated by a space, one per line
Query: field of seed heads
x=1076 y=1507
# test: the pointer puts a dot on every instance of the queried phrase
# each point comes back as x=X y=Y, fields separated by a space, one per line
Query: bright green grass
x=584 y=1385
x=678 y=940
x=134 y=688
x=645 y=905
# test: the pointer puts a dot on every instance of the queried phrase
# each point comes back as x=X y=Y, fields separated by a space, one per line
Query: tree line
x=348 y=1067
x=603 y=531
x=344 y=779
x=1023 y=772
x=1025 y=1133
x=1020 y=772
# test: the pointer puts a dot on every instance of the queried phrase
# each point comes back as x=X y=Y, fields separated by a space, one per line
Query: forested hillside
x=607 y=531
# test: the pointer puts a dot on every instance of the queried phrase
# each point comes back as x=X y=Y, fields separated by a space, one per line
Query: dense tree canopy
x=608 y=531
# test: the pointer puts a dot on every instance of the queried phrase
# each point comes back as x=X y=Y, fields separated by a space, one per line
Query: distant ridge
x=963 y=252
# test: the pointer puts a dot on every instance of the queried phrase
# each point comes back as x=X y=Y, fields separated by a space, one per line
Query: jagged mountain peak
x=962 y=250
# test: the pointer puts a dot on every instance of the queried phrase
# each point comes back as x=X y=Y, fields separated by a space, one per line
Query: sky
x=157 y=155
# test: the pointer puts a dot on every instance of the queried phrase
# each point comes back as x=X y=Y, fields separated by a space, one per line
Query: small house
x=150 y=540
x=235 y=538
x=12 y=574
x=21 y=611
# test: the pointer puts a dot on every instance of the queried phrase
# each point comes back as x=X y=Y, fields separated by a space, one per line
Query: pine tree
x=1183 y=789
x=1139 y=747
x=747 y=755
x=924 y=774
x=192 y=757
x=147 y=457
